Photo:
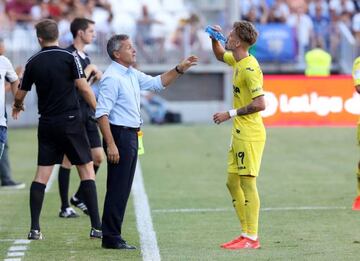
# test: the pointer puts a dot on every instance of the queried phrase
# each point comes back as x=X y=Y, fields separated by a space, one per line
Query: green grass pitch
x=184 y=167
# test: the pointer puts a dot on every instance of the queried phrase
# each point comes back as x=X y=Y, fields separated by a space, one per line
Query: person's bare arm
x=168 y=77
x=217 y=48
x=14 y=87
x=86 y=92
x=257 y=104
x=18 y=105
x=112 y=150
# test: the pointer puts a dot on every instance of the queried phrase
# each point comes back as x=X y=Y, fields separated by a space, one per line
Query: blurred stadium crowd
x=163 y=30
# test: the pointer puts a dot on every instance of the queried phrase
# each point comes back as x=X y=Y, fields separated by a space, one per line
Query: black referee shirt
x=53 y=71
x=84 y=63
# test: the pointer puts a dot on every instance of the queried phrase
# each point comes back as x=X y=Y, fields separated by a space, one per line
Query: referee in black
x=83 y=31
x=55 y=72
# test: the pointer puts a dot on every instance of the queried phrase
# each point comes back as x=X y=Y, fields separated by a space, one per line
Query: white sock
x=254 y=237
x=244 y=235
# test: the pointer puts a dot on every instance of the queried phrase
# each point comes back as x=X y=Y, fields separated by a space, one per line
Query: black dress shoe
x=118 y=245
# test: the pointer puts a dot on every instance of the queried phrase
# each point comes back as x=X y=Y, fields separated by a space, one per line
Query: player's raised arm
x=217 y=48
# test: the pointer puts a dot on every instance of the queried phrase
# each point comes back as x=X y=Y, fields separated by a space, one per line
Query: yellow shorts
x=244 y=157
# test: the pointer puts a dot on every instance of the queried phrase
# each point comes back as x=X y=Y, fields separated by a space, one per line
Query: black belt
x=125 y=127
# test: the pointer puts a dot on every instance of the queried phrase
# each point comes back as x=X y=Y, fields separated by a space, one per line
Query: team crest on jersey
x=249 y=69
x=236 y=89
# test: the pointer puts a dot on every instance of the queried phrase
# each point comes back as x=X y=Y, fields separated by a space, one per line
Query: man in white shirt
x=5 y=172
x=7 y=73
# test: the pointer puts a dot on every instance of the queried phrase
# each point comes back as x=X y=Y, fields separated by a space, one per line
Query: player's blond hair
x=246 y=32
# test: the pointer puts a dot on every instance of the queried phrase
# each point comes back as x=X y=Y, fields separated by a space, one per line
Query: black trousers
x=119 y=181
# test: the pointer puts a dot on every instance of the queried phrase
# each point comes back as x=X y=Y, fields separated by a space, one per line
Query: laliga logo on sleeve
x=352 y=105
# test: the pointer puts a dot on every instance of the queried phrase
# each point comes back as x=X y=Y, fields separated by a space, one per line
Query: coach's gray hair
x=114 y=44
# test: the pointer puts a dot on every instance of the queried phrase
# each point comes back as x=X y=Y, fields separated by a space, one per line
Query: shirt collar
x=50 y=47
x=121 y=68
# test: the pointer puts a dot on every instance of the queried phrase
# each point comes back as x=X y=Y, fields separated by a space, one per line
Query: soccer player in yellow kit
x=248 y=132
x=356 y=77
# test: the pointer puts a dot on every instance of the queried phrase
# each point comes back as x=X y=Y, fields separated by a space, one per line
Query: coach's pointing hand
x=187 y=63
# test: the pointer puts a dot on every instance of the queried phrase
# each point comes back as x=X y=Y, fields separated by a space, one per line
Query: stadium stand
x=167 y=30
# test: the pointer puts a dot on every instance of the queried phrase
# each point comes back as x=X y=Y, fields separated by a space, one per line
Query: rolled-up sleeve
x=148 y=82
x=107 y=97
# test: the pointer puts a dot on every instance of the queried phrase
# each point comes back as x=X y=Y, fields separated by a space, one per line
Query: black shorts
x=88 y=118
x=93 y=133
x=62 y=135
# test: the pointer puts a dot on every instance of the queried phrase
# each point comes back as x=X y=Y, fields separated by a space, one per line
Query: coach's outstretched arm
x=168 y=77
x=217 y=48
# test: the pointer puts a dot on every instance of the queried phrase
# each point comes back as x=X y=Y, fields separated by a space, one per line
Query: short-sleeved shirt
x=356 y=74
x=7 y=73
x=53 y=71
x=247 y=85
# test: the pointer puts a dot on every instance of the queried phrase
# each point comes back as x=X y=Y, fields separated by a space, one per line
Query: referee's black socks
x=37 y=191
x=88 y=190
x=78 y=194
x=64 y=179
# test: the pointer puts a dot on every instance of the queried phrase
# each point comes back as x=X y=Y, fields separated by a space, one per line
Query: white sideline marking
x=14 y=254
x=22 y=241
x=52 y=178
x=17 y=248
x=148 y=241
x=185 y=210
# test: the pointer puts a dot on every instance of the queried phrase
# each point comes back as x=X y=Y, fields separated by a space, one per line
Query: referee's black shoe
x=35 y=235
x=121 y=244
x=79 y=204
x=95 y=233
x=68 y=213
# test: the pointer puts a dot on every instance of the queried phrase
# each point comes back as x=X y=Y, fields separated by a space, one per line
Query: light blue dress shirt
x=119 y=94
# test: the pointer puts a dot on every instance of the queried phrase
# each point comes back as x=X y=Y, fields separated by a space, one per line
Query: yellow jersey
x=356 y=75
x=247 y=85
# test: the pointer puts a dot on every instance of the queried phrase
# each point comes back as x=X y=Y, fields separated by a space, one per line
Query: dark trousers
x=119 y=180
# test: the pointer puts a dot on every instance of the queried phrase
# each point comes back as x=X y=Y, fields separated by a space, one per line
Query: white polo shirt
x=7 y=73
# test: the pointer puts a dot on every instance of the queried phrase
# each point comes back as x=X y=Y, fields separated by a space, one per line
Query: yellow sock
x=358 y=181
x=252 y=204
x=237 y=194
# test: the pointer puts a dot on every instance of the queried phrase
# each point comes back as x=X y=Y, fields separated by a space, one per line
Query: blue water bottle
x=216 y=35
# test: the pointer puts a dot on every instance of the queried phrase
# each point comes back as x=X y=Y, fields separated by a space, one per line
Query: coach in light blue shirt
x=118 y=114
